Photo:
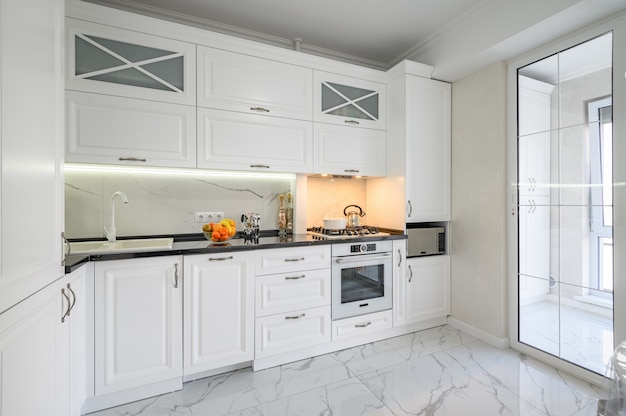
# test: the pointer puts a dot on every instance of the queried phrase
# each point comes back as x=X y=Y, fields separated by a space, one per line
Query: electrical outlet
x=209 y=216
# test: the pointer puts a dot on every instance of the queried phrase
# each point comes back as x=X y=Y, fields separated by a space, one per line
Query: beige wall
x=479 y=205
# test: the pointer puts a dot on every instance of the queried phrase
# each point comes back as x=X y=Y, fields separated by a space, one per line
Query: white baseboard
x=490 y=339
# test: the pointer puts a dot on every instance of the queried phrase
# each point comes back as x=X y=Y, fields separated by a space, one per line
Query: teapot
x=352 y=217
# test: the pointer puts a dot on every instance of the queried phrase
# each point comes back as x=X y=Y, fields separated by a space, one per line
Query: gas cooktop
x=322 y=233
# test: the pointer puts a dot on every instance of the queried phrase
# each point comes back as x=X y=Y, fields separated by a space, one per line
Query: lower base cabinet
x=41 y=367
x=138 y=324
x=218 y=311
x=361 y=325
x=427 y=288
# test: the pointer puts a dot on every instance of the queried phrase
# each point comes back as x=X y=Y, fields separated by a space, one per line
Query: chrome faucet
x=111 y=233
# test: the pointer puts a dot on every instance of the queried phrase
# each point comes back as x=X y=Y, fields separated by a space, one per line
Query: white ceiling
x=457 y=37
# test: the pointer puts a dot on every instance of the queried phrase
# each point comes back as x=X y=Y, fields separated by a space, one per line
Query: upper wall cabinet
x=114 y=61
x=349 y=101
x=236 y=82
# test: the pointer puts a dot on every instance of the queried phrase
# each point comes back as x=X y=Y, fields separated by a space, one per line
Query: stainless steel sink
x=121 y=246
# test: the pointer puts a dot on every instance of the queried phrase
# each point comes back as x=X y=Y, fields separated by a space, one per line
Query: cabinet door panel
x=292 y=259
x=104 y=129
x=138 y=321
x=362 y=325
x=228 y=140
x=219 y=311
x=232 y=81
x=428 y=288
x=350 y=151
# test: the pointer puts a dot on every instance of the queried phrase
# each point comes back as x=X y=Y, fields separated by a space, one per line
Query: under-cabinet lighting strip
x=75 y=167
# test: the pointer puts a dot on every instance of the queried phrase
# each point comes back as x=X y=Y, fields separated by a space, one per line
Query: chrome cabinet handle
x=410 y=274
x=296 y=259
x=175 y=275
x=302 y=276
x=66 y=254
x=71 y=307
x=365 y=325
x=260 y=109
x=260 y=166
x=351 y=170
x=302 y=315
x=221 y=258
x=399 y=258
x=132 y=159
x=410 y=208
x=354 y=122
x=67 y=311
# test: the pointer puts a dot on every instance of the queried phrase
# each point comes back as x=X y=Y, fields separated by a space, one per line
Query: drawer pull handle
x=296 y=259
x=302 y=276
x=365 y=325
x=351 y=170
x=354 y=122
x=260 y=166
x=175 y=275
x=221 y=258
x=260 y=109
x=131 y=159
x=302 y=315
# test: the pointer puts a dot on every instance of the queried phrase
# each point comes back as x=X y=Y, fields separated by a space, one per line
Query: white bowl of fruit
x=220 y=231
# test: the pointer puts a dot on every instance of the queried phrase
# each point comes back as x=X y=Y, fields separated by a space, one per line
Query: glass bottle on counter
x=289 y=214
x=282 y=217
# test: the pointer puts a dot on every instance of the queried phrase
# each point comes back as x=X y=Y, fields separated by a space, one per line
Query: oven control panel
x=362 y=248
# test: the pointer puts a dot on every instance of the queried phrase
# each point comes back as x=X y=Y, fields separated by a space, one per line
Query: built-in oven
x=361 y=278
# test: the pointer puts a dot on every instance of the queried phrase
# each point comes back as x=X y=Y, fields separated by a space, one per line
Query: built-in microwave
x=425 y=241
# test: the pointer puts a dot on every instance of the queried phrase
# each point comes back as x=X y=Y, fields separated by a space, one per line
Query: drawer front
x=288 y=291
x=293 y=259
x=292 y=331
x=362 y=325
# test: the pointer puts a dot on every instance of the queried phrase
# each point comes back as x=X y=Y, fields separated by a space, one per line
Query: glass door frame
x=619 y=116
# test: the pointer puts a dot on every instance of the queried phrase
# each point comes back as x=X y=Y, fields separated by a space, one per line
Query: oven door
x=361 y=284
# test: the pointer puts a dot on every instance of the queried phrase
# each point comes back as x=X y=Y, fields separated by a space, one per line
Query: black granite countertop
x=197 y=244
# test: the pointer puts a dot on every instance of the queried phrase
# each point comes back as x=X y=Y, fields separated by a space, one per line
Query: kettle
x=352 y=217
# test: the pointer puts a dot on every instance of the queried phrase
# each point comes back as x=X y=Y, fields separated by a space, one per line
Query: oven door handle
x=360 y=259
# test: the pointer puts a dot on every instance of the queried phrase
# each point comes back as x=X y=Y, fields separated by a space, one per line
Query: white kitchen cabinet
x=362 y=325
x=218 y=311
x=109 y=60
x=238 y=82
x=399 y=282
x=40 y=367
x=31 y=160
x=427 y=288
x=293 y=259
x=284 y=292
x=138 y=328
x=349 y=101
x=291 y=331
x=343 y=150
x=231 y=140
x=126 y=131
x=75 y=285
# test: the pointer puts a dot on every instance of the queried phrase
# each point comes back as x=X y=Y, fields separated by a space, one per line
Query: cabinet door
x=344 y=100
x=138 y=323
x=428 y=150
x=114 y=130
x=31 y=160
x=76 y=290
x=232 y=81
x=342 y=150
x=277 y=293
x=428 y=288
x=399 y=282
x=229 y=140
x=291 y=331
x=34 y=356
x=219 y=310
x=108 y=60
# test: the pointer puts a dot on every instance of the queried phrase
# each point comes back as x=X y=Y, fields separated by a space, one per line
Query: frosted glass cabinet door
x=349 y=101
x=120 y=62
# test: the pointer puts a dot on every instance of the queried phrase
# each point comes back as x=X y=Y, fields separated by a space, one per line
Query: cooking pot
x=352 y=217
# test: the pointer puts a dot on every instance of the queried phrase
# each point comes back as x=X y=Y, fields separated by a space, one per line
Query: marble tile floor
x=440 y=371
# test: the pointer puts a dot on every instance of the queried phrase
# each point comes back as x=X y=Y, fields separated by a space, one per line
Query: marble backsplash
x=166 y=203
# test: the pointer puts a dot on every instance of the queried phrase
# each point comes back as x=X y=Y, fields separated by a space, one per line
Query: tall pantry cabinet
x=34 y=333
